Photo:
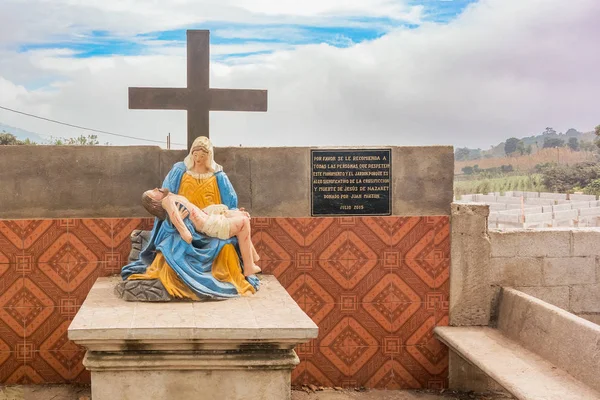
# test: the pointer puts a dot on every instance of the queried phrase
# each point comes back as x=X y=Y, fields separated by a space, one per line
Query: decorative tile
x=57 y=366
x=82 y=277
x=280 y=240
x=420 y=282
x=429 y=352
x=44 y=239
x=10 y=335
x=298 y=375
x=326 y=238
x=52 y=334
x=8 y=366
x=376 y=287
x=11 y=240
x=392 y=375
x=320 y=373
x=51 y=278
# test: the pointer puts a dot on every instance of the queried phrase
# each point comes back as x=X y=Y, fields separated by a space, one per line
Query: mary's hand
x=183 y=212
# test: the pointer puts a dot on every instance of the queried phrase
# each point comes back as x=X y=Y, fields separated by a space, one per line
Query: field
x=529 y=183
x=527 y=163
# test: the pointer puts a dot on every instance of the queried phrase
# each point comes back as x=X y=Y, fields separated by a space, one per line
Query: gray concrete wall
x=66 y=181
x=559 y=266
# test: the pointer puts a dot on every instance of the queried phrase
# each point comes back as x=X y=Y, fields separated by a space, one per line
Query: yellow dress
x=226 y=266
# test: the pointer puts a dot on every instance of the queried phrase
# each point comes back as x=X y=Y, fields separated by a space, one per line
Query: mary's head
x=201 y=157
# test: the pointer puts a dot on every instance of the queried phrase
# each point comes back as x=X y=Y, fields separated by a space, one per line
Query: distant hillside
x=22 y=134
x=533 y=143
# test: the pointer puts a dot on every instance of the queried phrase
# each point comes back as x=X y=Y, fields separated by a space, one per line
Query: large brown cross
x=198 y=98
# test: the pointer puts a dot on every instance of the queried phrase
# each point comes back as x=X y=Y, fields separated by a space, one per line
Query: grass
x=528 y=183
x=528 y=162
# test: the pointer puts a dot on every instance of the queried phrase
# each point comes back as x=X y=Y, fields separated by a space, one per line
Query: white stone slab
x=585 y=212
x=582 y=197
x=270 y=314
x=553 y=196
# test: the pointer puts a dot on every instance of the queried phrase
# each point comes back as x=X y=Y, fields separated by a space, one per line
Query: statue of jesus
x=206 y=267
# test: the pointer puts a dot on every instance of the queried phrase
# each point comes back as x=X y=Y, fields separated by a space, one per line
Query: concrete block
x=566 y=215
x=509 y=218
x=582 y=197
x=553 y=196
x=497 y=206
x=422 y=180
x=280 y=186
x=585 y=298
x=510 y=206
x=76 y=181
x=485 y=198
x=516 y=271
x=542 y=217
x=531 y=195
x=569 y=270
x=511 y=200
x=470 y=291
x=580 y=204
x=539 y=202
x=524 y=243
x=556 y=295
x=236 y=164
x=586 y=242
x=558 y=207
x=589 y=212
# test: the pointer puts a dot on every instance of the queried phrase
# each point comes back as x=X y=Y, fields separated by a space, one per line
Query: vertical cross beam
x=198 y=99
x=198 y=82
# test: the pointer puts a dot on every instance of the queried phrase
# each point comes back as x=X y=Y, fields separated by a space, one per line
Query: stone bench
x=240 y=348
x=538 y=351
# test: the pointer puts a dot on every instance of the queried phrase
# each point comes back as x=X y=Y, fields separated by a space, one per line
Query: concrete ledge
x=521 y=372
x=564 y=339
x=108 y=181
x=235 y=349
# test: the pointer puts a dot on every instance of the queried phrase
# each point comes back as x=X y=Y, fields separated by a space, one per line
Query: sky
x=338 y=72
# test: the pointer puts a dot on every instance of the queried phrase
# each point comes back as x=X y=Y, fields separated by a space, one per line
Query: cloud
x=502 y=68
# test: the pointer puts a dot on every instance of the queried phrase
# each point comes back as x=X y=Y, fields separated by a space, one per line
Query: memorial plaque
x=351 y=182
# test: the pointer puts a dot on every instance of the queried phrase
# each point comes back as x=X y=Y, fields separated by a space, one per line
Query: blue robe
x=191 y=262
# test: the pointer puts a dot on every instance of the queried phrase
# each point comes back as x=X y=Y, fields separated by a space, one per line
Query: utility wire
x=84 y=128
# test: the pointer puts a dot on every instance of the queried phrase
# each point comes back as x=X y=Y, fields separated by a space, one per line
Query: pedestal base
x=240 y=348
x=191 y=376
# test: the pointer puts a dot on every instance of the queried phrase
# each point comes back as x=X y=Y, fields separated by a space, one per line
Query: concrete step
x=539 y=351
x=521 y=372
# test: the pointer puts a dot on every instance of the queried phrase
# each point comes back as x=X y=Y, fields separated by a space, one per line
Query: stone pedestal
x=234 y=349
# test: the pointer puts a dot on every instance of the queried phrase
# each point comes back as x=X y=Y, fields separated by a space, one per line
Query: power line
x=84 y=128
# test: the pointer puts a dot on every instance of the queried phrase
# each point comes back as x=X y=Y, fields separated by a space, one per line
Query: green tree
x=593 y=187
x=549 y=132
x=597 y=132
x=563 y=178
x=8 y=139
x=462 y=154
x=573 y=143
x=467 y=170
x=511 y=145
x=90 y=140
x=551 y=142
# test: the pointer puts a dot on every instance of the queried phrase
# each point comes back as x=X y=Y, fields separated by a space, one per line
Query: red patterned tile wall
x=375 y=286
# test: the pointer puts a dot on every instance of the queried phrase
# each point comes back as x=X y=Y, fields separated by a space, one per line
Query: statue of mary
x=208 y=267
